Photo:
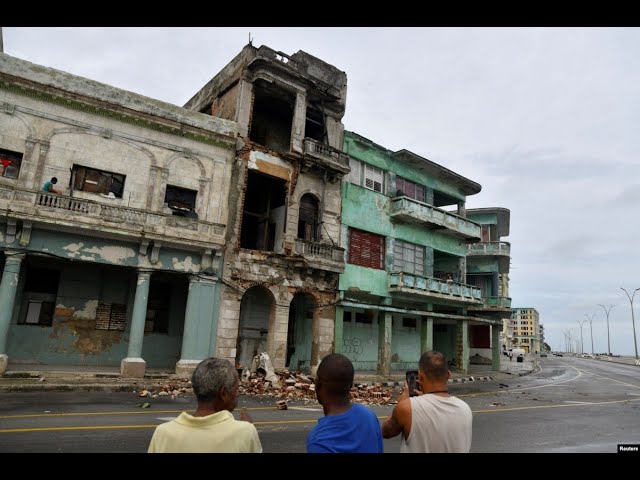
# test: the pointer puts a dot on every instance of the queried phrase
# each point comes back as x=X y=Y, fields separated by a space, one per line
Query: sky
x=547 y=120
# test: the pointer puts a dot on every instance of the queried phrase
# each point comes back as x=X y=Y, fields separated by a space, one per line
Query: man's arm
x=397 y=422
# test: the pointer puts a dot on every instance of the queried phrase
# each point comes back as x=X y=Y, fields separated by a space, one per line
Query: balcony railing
x=497 y=302
x=57 y=208
x=406 y=282
x=326 y=156
x=489 y=248
x=413 y=211
x=321 y=250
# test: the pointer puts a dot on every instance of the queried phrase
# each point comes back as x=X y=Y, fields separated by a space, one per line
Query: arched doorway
x=300 y=332
x=256 y=313
x=308 y=218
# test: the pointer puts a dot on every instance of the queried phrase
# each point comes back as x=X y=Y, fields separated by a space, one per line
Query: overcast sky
x=547 y=120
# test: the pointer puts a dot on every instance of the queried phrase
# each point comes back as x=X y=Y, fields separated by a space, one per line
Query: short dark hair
x=434 y=365
x=54 y=180
x=336 y=374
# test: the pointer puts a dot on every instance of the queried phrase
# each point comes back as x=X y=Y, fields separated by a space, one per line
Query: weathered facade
x=121 y=267
x=403 y=290
x=283 y=254
x=488 y=263
x=526 y=329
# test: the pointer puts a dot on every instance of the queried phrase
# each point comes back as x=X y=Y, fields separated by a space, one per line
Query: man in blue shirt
x=346 y=427
x=48 y=186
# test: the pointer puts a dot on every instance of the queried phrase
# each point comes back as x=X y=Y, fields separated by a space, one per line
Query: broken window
x=366 y=249
x=157 y=320
x=272 y=117
x=409 y=189
x=308 y=218
x=314 y=126
x=40 y=290
x=10 y=163
x=111 y=316
x=265 y=212
x=408 y=257
x=97 y=181
x=181 y=201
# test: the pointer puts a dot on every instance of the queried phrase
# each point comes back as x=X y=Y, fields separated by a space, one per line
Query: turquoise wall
x=483 y=218
x=445 y=341
x=360 y=342
x=405 y=345
x=479 y=264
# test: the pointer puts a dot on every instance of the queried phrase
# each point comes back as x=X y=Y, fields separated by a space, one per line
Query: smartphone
x=412 y=381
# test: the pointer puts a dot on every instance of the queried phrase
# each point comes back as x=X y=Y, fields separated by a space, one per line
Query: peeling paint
x=269 y=164
x=186 y=266
x=87 y=313
x=112 y=254
x=73 y=249
x=86 y=339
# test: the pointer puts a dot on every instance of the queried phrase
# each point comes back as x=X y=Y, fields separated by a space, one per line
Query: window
x=408 y=258
x=355 y=175
x=408 y=322
x=181 y=200
x=308 y=218
x=373 y=178
x=158 y=306
x=111 y=316
x=364 y=318
x=480 y=336
x=366 y=249
x=40 y=290
x=10 y=163
x=97 y=181
x=409 y=189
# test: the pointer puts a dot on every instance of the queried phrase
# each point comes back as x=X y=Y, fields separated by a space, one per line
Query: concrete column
x=244 y=106
x=198 y=324
x=462 y=211
x=462 y=347
x=277 y=340
x=428 y=261
x=495 y=347
x=428 y=195
x=494 y=284
x=384 y=343
x=298 y=124
x=134 y=365
x=426 y=335
x=338 y=329
x=462 y=270
x=8 y=288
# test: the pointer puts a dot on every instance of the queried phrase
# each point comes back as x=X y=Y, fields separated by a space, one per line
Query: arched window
x=308 y=218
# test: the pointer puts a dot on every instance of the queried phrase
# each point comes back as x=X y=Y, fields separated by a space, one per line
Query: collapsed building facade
x=283 y=254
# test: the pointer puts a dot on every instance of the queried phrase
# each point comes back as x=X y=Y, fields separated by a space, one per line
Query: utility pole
x=607 y=312
x=581 y=323
x=635 y=343
x=590 y=319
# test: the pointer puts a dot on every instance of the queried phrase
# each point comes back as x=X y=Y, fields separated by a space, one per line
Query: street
x=570 y=405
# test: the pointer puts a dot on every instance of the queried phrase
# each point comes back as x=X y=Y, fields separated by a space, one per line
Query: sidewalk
x=31 y=378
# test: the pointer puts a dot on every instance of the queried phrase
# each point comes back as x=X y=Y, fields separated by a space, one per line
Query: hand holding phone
x=412 y=382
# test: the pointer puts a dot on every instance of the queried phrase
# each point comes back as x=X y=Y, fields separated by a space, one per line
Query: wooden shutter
x=366 y=249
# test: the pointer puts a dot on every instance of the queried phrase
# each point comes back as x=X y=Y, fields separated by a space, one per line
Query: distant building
x=526 y=329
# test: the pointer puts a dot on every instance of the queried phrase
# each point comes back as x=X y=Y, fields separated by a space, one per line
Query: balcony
x=322 y=256
x=496 y=306
x=412 y=211
x=326 y=156
x=489 y=248
x=92 y=215
x=432 y=287
x=497 y=302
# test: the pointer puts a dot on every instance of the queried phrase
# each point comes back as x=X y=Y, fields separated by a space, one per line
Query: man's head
x=54 y=180
x=215 y=381
x=334 y=379
x=433 y=370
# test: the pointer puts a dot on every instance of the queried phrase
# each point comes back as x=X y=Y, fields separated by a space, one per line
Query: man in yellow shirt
x=211 y=428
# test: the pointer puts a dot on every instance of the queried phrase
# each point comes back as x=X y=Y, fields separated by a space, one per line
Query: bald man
x=346 y=427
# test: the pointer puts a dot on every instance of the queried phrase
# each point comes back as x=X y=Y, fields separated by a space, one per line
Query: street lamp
x=581 y=323
x=590 y=319
x=607 y=312
x=633 y=321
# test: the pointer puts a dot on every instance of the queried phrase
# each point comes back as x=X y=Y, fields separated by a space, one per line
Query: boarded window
x=479 y=336
x=408 y=257
x=181 y=201
x=373 y=178
x=111 y=316
x=10 y=163
x=366 y=249
x=409 y=189
x=97 y=181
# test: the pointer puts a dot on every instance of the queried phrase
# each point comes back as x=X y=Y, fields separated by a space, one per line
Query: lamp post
x=633 y=321
x=607 y=312
x=581 y=323
x=590 y=320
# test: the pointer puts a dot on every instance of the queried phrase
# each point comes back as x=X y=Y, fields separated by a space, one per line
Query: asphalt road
x=570 y=405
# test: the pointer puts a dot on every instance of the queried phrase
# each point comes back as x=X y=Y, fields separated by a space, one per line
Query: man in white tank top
x=432 y=421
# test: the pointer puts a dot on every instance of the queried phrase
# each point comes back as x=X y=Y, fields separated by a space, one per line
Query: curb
x=65 y=387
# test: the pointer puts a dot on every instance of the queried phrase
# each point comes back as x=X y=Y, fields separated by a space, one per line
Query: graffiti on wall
x=352 y=347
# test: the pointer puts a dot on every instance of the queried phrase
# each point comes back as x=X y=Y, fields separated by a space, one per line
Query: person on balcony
x=48 y=186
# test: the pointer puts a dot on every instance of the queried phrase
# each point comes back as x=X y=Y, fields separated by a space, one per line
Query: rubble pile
x=175 y=388
x=291 y=385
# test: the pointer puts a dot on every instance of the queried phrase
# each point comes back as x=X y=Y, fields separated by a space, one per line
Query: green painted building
x=404 y=288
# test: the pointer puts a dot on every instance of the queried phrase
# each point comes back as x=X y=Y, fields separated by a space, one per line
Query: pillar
x=426 y=335
x=133 y=365
x=8 y=288
x=338 y=329
x=384 y=343
x=494 y=284
x=495 y=347
x=462 y=350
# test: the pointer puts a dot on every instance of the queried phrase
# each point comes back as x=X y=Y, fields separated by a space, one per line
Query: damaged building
x=120 y=265
x=283 y=254
x=404 y=289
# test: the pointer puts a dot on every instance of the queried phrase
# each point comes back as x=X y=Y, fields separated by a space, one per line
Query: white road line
x=305 y=409
x=581 y=403
x=166 y=419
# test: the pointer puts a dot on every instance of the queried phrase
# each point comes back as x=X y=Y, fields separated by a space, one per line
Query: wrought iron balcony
x=412 y=211
x=433 y=287
x=489 y=248
x=326 y=156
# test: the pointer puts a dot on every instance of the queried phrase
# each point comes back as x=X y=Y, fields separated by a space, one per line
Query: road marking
x=537 y=407
x=305 y=408
x=582 y=403
x=166 y=419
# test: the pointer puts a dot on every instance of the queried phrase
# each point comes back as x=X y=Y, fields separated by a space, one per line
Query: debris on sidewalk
x=177 y=387
x=281 y=404
x=497 y=404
